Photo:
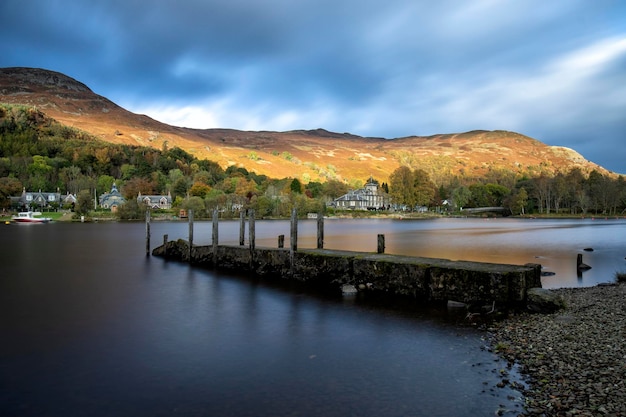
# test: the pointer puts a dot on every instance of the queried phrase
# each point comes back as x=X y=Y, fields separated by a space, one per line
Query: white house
x=163 y=202
x=366 y=198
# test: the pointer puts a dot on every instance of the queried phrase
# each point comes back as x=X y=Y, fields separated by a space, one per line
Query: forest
x=38 y=153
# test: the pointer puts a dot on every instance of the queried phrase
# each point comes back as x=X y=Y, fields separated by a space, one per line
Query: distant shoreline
x=66 y=216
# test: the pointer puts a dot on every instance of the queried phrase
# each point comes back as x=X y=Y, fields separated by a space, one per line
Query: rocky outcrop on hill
x=25 y=78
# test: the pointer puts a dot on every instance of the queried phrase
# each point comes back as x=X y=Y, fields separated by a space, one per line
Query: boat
x=30 y=217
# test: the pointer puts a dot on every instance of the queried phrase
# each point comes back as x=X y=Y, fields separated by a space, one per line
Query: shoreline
x=574 y=360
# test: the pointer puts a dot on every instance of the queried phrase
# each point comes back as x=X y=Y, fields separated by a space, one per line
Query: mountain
x=306 y=154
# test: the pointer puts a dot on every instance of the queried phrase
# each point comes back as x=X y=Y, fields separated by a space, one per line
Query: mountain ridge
x=310 y=155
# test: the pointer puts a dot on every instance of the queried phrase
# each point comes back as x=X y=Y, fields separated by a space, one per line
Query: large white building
x=367 y=198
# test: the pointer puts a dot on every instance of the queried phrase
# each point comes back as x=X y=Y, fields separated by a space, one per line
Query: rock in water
x=348 y=289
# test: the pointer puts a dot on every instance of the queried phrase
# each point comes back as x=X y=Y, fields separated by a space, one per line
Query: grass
x=620 y=276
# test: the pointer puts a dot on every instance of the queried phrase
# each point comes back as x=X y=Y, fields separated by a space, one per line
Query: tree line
x=571 y=193
x=38 y=153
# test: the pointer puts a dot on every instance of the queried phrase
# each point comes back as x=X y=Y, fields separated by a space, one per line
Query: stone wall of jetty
x=424 y=279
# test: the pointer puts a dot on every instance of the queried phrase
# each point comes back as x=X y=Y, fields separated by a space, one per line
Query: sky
x=552 y=70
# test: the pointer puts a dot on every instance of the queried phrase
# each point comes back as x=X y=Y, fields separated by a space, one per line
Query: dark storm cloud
x=551 y=70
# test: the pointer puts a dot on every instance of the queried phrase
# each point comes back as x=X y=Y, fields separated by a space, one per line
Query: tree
x=131 y=210
x=517 y=201
x=199 y=189
x=496 y=194
x=315 y=188
x=575 y=184
x=214 y=199
x=71 y=177
x=599 y=188
x=9 y=187
x=559 y=186
x=543 y=192
x=197 y=205
x=105 y=183
x=137 y=185
x=180 y=187
x=128 y=171
x=461 y=196
x=334 y=189
x=401 y=183
x=296 y=186
x=263 y=205
x=84 y=202
x=423 y=188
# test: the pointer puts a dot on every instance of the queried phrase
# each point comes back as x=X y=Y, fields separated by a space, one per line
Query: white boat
x=29 y=217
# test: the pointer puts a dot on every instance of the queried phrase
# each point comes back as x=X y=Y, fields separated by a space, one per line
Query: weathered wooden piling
x=165 y=237
x=252 y=231
x=294 y=231
x=281 y=241
x=148 y=232
x=320 y=230
x=242 y=227
x=381 y=244
x=190 y=214
x=580 y=265
x=293 y=244
x=215 y=237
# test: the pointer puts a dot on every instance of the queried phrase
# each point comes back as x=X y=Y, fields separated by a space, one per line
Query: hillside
x=308 y=155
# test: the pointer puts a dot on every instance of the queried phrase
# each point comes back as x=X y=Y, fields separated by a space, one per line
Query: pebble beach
x=574 y=360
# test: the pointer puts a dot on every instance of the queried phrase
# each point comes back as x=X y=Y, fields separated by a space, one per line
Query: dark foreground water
x=90 y=326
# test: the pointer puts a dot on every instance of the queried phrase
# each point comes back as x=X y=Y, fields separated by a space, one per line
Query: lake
x=92 y=327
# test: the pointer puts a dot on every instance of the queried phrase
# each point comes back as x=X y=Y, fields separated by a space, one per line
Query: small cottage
x=39 y=200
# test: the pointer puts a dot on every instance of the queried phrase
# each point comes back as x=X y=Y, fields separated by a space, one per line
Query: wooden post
x=252 y=231
x=165 y=244
x=294 y=230
x=381 y=243
x=242 y=227
x=215 y=238
x=281 y=241
x=190 y=214
x=579 y=263
x=148 y=232
x=320 y=230
x=293 y=244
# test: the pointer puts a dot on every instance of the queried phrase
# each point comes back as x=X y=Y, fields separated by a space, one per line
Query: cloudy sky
x=553 y=70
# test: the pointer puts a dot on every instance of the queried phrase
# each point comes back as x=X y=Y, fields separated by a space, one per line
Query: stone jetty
x=423 y=279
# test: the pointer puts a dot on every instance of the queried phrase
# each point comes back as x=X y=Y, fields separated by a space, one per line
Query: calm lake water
x=90 y=326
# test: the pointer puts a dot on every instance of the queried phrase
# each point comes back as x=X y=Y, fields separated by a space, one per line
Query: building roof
x=112 y=198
